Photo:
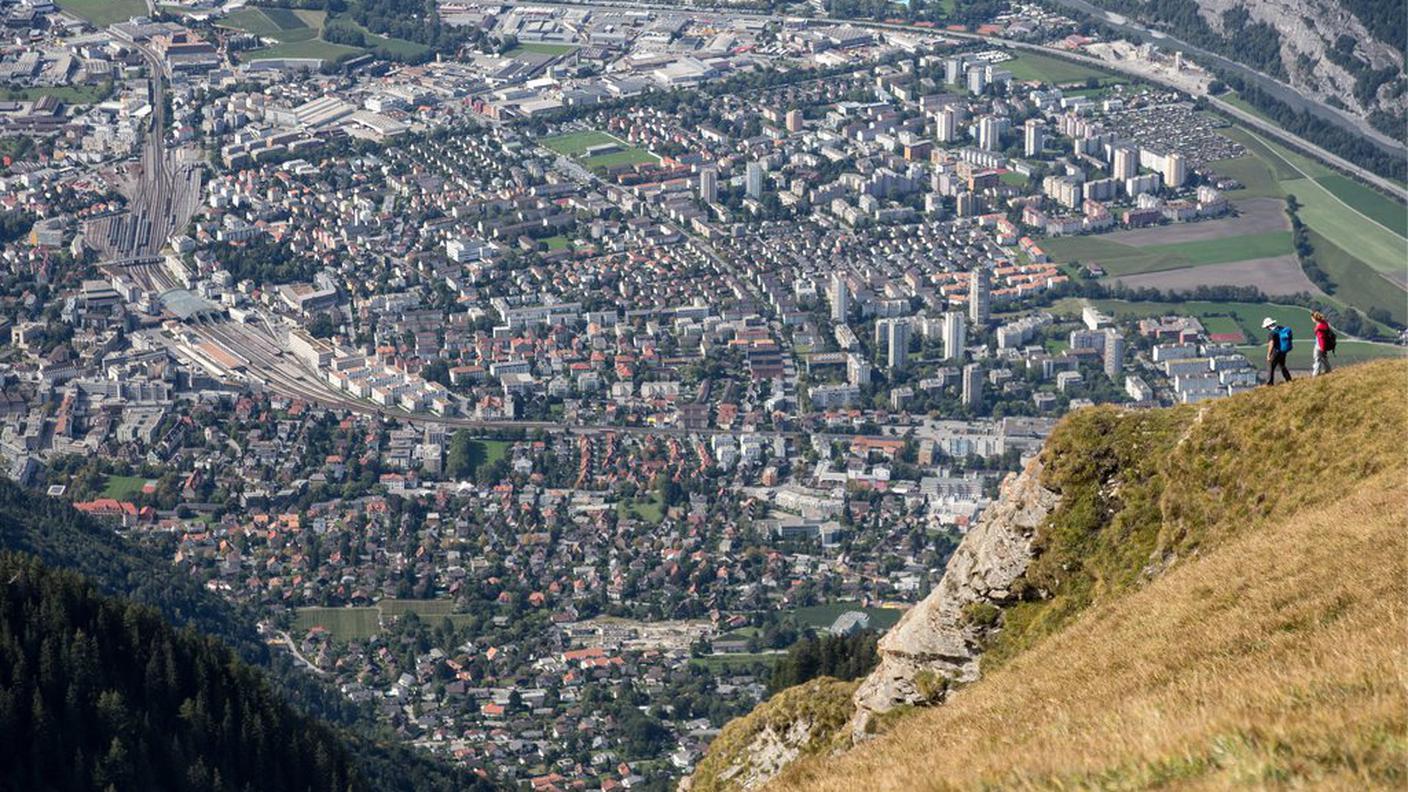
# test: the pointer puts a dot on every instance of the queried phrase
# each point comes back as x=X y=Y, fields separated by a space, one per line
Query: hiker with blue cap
x=1278 y=346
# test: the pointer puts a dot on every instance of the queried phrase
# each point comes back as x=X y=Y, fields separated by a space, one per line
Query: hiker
x=1278 y=345
x=1324 y=344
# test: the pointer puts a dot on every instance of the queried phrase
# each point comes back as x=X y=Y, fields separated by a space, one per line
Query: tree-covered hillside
x=97 y=693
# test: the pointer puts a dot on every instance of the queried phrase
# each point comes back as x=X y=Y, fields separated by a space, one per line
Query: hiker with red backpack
x=1278 y=345
x=1324 y=344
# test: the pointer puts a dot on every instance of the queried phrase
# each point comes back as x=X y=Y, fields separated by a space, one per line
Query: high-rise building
x=972 y=384
x=1034 y=137
x=897 y=343
x=857 y=370
x=1125 y=163
x=709 y=185
x=989 y=134
x=753 y=180
x=977 y=79
x=967 y=204
x=1114 y=354
x=955 y=335
x=953 y=70
x=840 y=298
x=948 y=125
x=794 y=120
x=980 y=297
x=1175 y=169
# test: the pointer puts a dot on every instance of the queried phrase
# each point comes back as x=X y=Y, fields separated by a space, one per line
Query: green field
x=360 y=623
x=1355 y=283
x=650 y=509
x=558 y=242
x=299 y=32
x=1121 y=259
x=736 y=662
x=1247 y=317
x=104 y=12
x=69 y=94
x=822 y=616
x=542 y=49
x=1034 y=66
x=124 y=487
x=575 y=145
x=1236 y=100
x=1350 y=216
x=1369 y=202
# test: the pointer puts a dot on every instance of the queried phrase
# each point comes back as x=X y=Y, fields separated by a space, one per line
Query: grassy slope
x=1263 y=654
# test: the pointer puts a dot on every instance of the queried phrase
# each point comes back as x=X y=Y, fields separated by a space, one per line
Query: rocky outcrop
x=939 y=641
x=800 y=721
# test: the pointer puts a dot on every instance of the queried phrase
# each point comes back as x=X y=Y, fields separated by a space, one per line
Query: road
x=1349 y=123
x=293 y=647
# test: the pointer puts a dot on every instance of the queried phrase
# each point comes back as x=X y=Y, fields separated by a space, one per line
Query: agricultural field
x=69 y=94
x=1124 y=258
x=1034 y=66
x=299 y=33
x=104 y=12
x=1357 y=285
x=1351 y=216
x=281 y=24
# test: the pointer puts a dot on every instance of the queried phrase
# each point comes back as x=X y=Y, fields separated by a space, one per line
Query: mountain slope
x=1269 y=661
x=1129 y=588
x=96 y=693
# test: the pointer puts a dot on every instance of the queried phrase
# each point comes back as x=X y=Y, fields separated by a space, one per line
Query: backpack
x=1283 y=339
x=1329 y=339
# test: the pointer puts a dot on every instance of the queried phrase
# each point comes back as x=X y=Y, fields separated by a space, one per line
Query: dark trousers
x=1278 y=360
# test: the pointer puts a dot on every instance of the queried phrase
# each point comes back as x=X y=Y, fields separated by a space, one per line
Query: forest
x=97 y=693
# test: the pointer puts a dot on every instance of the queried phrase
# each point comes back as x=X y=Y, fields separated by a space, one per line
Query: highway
x=1349 y=123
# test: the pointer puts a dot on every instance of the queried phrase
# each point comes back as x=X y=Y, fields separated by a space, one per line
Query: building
x=967 y=204
x=972 y=384
x=857 y=370
x=794 y=120
x=980 y=297
x=947 y=121
x=709 y=185
x=1125 y=164
x=894 y=334
x=955 y=336
x=1033 y=137
x=977 y=79
x=840 y=298
x=753 y=180
x=989 y=134
x=1175 y=170
x=1114 y=354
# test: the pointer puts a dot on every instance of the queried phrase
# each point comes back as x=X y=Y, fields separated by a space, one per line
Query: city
x=540 y=374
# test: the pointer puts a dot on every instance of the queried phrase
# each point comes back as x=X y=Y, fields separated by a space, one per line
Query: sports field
x=124 y=487
x=104 y=12
x=1034 y=66
x=822 y=616
x=360 y=623
x=576 y=144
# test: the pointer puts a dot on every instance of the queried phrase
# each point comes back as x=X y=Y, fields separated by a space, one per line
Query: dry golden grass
x=1274 y=660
